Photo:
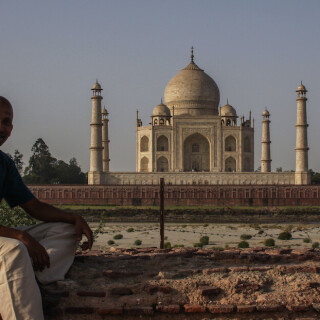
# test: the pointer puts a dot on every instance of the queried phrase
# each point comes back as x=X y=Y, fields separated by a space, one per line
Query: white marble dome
x=192 y=92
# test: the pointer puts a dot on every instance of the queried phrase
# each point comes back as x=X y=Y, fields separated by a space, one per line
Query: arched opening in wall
x=196 y=153
x=247 y=165
x=144 y=164
x=228 y=123
x=161 y=121
x=230 y=165
x=155 y=122
x=230 y=144
x=222 y=122
x=162 y=164
x=247 y=144
x=162 y=143
x=144 y=144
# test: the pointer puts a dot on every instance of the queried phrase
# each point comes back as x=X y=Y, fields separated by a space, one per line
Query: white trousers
x=20 y=297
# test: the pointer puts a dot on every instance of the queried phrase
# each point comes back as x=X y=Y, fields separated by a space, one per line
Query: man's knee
x=10 y=246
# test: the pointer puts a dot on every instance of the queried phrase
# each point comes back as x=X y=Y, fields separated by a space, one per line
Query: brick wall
x=221 y=195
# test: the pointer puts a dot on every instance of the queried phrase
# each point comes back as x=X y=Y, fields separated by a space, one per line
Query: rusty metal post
x=161 y=213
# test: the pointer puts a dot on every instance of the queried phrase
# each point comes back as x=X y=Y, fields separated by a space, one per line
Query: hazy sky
x=51 y=53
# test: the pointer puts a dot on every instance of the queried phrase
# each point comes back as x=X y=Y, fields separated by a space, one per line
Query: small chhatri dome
x=266 y=113
x=301 y=88
x=104 y=111
x=96 y=86
x=161 y=110
x=192 y=92
x=228 y=110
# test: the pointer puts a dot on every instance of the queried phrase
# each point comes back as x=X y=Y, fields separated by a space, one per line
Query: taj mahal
x=191 y=140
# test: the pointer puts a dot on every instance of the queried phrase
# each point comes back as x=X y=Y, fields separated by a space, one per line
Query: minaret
x=301 y=148
x=105 y=140
x=265 y=143
x=96 y=136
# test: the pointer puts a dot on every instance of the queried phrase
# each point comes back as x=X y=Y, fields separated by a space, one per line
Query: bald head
x=6 y=117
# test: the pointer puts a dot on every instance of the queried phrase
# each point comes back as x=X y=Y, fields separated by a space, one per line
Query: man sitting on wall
x=43 y=252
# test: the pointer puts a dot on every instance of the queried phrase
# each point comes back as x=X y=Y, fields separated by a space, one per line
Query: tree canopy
x=43 y=168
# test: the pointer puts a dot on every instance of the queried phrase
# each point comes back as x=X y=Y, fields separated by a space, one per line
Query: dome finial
x=161 y=100
x=227 y=101
x=192 y=56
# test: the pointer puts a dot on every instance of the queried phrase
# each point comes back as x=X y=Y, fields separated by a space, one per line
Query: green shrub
x=226 y=246
x=167 y=245
x=14 y=217
x=118 y=236
x=260 y=232
x=178 y=246
x=307 y=240
x=184 y=226
x=165 y=238
x=110 y=242
x=245 y=237
x=130 y=230
x=269 y=242
x=204 y=240
x=205 y=225
x=218 y=248
x=243 y=244
x=198 y=245
x=285 y=236
x=315 y=245
x=137 y=242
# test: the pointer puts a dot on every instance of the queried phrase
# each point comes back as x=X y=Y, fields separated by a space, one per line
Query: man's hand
x=37 y=252
x=83 y=228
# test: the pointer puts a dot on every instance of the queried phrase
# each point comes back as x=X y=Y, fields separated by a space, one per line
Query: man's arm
x=45 y=212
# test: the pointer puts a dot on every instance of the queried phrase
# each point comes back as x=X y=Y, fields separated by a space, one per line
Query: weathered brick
x=298 y=307
x=154 y=289
x=214 y=270
x=79 y=310
x=269 y=308
x=110 y=311
x=239 y=269
x=245 y=308
x=140 y=310
x=91 y=293
x=209 y=291
x=174 y=308
x=194 y=308
x=260 y=268
x=227 y=308
x=121 y=291
x=120 y=274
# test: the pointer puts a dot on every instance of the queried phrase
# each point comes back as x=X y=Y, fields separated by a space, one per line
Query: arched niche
x=230 y=165
x=162 y=164
x=144 y=164
x=162 y=143
x=196 y=153
x=230 y=144
x=144 y=144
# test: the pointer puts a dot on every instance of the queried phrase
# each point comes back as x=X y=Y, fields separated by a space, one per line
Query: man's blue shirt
x=12 y=188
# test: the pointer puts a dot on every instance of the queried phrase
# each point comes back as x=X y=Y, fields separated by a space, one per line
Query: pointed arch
x=162 y=143
x=230 y=165
x=144 y=144
x=162 y=164
x=144 y=164
x=230 y=144
x=196 y=153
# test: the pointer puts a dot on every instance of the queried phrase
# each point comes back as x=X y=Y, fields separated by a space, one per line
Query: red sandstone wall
x=226 y=195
